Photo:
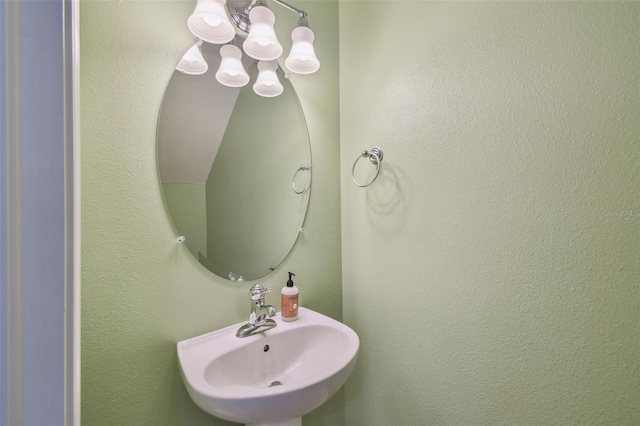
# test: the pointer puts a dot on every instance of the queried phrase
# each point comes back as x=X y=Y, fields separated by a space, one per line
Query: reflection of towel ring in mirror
x=375 y=156
x=302 y=168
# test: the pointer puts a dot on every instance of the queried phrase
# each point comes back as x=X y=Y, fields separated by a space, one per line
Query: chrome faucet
x=258 y=321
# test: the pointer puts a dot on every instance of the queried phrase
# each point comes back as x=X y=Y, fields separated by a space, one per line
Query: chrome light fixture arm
x=300 y=12
x=238 y=11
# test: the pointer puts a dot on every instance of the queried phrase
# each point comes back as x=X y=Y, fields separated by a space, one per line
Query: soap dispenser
x=289 y=300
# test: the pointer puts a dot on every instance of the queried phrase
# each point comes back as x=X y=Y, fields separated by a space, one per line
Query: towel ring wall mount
x=375 y=156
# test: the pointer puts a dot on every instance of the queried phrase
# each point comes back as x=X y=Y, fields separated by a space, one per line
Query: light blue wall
x=3 y=234
x=35 y=212
x=43 y=192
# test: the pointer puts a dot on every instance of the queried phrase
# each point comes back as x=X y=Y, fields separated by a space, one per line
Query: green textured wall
x=141 y=291
x=492 y=269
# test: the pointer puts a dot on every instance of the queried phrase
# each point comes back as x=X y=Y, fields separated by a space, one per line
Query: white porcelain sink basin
x=271 y=378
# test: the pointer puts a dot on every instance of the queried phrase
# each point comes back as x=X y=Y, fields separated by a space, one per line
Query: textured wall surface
x=141 y=291
x=492 y=270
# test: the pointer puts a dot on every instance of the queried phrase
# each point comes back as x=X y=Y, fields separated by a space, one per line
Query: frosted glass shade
x=262 y=43
x=302 y=59
x=210 y=23
x=192 y=62
x=231 y=72
x=267 y=84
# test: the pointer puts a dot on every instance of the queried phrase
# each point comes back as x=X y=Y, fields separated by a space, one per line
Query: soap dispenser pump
x=289 y=300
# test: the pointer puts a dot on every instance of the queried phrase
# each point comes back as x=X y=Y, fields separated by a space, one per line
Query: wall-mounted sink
x=271 y=378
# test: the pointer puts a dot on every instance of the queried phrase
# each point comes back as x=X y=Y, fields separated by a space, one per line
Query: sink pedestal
x=291 y=422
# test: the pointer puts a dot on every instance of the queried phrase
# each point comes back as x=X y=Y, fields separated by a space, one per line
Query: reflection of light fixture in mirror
x=267 y=84
x=302 y=59
x=192 y=62
x=231 y=72
x=262 y=43
x=210 y=23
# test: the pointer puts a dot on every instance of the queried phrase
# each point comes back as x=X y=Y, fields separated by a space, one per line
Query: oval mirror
x=235 y=170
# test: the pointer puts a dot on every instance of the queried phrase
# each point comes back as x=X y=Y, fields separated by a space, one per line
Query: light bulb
x=212 y=20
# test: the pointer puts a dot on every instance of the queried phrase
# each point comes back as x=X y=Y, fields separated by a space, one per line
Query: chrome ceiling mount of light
x=219 y=21
x=238 y=11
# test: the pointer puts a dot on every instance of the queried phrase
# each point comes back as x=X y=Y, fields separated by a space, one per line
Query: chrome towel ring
x=375 y=156
x=302 y=168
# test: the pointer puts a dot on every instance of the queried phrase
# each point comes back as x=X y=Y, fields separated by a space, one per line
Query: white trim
x=40 y=206
x=75 y=40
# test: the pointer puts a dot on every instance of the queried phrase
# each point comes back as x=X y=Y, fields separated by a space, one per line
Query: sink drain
x=276 y=383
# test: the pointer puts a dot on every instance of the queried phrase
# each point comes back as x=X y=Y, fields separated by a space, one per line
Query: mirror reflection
x=235 y=169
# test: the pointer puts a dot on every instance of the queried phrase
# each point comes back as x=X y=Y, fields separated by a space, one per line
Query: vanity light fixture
x=209 y=22
x=218 y=22
x=262 y=43
x=192 y=62
x=302 y=59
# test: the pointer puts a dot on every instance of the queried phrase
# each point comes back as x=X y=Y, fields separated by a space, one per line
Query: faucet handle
x=257 y=292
